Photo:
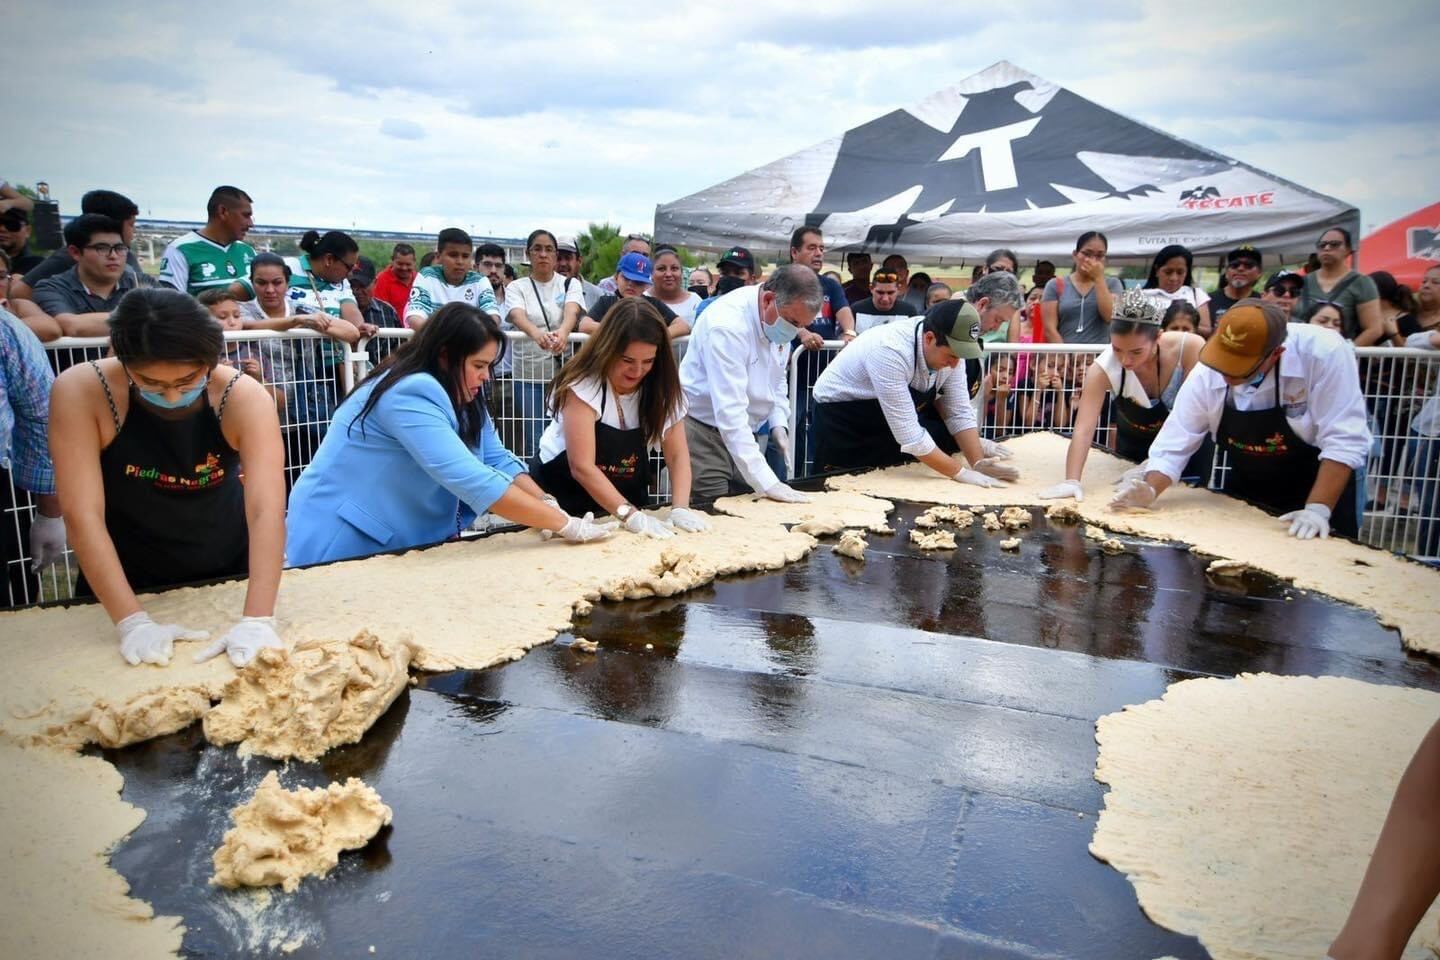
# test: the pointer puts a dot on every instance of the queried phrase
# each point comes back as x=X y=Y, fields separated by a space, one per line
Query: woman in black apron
x=148 y=448
x=614 y=401
x=1140 y=352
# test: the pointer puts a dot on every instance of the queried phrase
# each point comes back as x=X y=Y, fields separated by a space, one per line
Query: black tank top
x=174 y=503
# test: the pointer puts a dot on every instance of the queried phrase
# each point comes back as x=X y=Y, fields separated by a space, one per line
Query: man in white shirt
x=900 y=392
x=734 y=382
x=1284 y=402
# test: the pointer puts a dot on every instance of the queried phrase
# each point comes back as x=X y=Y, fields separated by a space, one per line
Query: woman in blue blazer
x=411 y=457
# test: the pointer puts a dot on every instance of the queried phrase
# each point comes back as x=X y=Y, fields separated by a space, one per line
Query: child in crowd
x=1047 y=405
x=1326 y=315
x=1181 y=317
x=249 y=358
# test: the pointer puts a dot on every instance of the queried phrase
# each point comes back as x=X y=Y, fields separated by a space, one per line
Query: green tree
x=26 y=191
x=600 y=246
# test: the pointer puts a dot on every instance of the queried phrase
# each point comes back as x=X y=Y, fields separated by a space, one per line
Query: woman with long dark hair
x=1077 y=308
x=412 y=457
x=1172 y=280
x=617 y=399
x=147 y=447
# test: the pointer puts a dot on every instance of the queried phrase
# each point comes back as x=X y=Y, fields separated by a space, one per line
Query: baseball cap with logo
x=1247 y=334
x=740 y=257
x=1244 y=252
x=635 y=266
x=1286 y=278
x=959 y=322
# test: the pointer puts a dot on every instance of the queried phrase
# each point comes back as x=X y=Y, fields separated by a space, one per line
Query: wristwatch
x=624 y=512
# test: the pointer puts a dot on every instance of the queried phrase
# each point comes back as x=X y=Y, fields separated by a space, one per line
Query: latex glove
x=1136 y=472
x=585 y=529
x=992 y=467
x=646 y=525
x=780 y=436
x=975 y=477
x=1133 y=494
x=785 y=493
x=1064 y=490
x=997 y=450
x=243 y=641
x=683 y=518
x=47 y=541
x=142 y=640
x=547 y=534
x=1309 y=523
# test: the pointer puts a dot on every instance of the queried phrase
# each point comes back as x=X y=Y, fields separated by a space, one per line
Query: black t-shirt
x=1220 y=301
x=25 y=261
x=603 y=305
x=1408 y=324
x=901 y=308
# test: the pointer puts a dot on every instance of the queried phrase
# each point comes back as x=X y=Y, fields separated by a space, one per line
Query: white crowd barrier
x=1026 y=387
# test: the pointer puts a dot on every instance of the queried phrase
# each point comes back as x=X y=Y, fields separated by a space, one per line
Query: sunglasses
x=1244 y=265
x=886 y=278
x=1285 y=290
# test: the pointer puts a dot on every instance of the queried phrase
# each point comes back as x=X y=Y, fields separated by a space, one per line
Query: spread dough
x=825 y=515
x=282 y=836
x=1401 y=593
x=852 y=544
x=935 y=540
x=1245 y=810
x=317 y=697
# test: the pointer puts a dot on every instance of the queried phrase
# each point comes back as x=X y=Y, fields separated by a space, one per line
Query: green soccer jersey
x=193 y=264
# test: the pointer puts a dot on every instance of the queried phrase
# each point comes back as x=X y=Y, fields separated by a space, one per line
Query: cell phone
x=306 y=308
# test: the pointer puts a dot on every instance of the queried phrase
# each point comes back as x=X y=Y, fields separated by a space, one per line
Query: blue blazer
x=396 y=480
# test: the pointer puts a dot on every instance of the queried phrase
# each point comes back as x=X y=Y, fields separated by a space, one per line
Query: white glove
x=646 y=525
x=1133 y=495
x=785 y=493
x=47 y=541
x=683 y=518
x=585 y=529
x=993 y=449
x=780 y=436
x=993 y=467
x=1065 y=489
x=1136 y=472
x=966 y=475
x=142 y=640
x=1309 y=523
x=243 y=641
x=547 y=534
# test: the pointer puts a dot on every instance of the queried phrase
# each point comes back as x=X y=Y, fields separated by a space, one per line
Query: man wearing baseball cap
x=632 y=279
x=1283 y=401
x=568 y=264
x=1242 y=272
x=1284 y=290
x=900 y=392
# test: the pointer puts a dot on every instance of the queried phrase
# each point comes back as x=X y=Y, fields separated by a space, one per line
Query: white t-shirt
x=685 y=309
x=1196 y=298
x=552 y=442
x=530 y=362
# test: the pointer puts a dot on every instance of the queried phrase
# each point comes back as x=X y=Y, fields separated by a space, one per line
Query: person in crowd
x=546 y=307
x=569 y=264
x=490 y=261
x=859 y=264
x=25 y=381
x=449 y=280
x=900 y=392
x=105 y=203
x=216 y=255
x=1045 y=402
x=998 y=393
x=416 y=429
x=634 y=243
x=1335 y=282
x=733 y=377
x=1397 y=310
x=667 y=275
x=251 y=358
x=1283 y=402
x=1142 y=370
x=147 y=447
x=633 y=276
x=1044 y=273
x=898 y=265
x=701 y=283
x=1327 y=316
x=618 y=398
x=426 y=259
x=1033 y=295
x=375 y=314
x=998 y=300
x=737 y=268
x=1427 y=301
x=883 y=304
x=1002 y=258
x=834 y=321
x=919 y=284
x=323 y=282
x=1391 y=392
x=82 y=297
x=15 y=240
x=1424 y=433
x=976 y=272
x=1180 y=317
x=1242 y=273
x=937 y=292
x=1284 y=289
x=1077 y=309
x=392 y=285
x=1171 y=279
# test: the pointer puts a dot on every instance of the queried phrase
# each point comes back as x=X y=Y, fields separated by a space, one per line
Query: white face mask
x=781 y=332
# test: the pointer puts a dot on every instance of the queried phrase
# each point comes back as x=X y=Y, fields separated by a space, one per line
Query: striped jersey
x=192 y=263
x=430 y=292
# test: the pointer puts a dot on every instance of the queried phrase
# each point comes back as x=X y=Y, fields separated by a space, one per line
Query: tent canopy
x=1006 y=158
x=1406 y=248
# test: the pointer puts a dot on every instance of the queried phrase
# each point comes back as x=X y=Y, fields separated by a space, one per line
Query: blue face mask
x=781 y=332
x=186 y=398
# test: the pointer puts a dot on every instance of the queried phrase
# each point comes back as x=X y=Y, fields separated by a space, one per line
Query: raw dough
x=852 y=544
x=282 y=836
x=584 y=646
x=1400 y=592
x=1095 y=533
x=825 y=515
x=937 y=540
x=316 y=697
x=1227 y=568
x=59 y=814
x=1013 y=543
x=961 y=518
x=1245 y=810
x=1062 y=512
x=990 y=521
x=1015 y=517
x=1111 y=546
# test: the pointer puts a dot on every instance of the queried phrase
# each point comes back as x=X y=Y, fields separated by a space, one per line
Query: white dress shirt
x=734 y=380
x=883 y=365
x=1319 y=386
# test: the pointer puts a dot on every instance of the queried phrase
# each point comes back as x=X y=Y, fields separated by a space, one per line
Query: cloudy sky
x=428 y=114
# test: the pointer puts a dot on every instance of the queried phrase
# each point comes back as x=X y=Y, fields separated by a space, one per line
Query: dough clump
x=282 y=836
x=990 y=521
x=1111 y=546
x=584 y=646
x=945 y=513
x=936 y=540
x=1063 y=512
x=1015 y=517
x=314 y=698
x=852 y=544
x=1096 y=533
x=1228 y=568
x=1012 y=543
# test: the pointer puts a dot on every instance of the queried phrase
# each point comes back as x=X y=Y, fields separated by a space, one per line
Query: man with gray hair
x=734 y=379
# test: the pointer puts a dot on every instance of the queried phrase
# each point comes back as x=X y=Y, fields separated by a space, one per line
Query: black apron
x=1137 y=426
x=174 y=502
x=853 y=434
x=1271 y=467
x=623 y=455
